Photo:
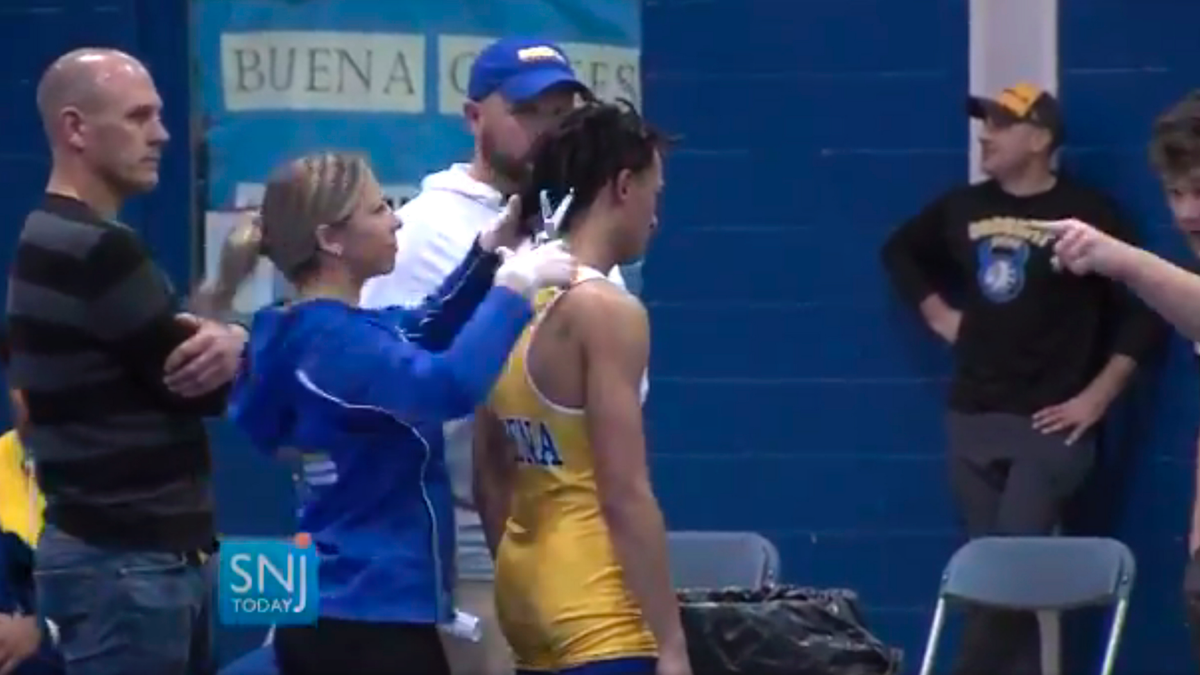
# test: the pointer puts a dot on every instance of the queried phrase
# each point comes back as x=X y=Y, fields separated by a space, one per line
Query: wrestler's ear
x=623 y=185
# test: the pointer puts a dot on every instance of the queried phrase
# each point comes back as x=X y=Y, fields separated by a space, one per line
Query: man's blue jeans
x=123 y=611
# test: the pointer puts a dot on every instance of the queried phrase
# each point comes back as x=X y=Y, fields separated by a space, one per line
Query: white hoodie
x=437 y=229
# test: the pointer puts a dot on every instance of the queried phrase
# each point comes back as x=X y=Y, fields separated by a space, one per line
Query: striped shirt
x=122 y=461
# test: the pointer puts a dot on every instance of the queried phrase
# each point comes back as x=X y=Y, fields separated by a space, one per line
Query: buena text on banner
x=278 y=79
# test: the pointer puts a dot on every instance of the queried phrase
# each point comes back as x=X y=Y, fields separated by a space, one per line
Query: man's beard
x=511 y=170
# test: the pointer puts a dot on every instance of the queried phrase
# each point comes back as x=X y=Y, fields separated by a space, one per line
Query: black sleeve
x=132 y=310
x=916 y=255
x=1138 y=330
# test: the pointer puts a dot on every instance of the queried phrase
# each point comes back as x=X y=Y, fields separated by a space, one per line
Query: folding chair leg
x=935 y=634
x=1050 y=629
x=1114 y=637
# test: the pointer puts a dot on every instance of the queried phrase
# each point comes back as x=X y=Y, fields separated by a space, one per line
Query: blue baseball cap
x=520 y=69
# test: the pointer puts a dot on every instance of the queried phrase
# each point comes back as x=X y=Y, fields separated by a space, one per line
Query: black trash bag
x=781 y=630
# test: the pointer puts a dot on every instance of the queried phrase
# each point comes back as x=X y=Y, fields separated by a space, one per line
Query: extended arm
x=383 y=370
x=427 y=255
x=442 y=314
x=1170 y=290
x=375 y=368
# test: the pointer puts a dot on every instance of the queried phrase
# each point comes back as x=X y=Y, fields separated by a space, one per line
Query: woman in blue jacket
x=362 y=395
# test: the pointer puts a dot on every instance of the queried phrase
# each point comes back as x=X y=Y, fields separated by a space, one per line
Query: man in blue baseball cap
x=518 y=88
x=521 y=69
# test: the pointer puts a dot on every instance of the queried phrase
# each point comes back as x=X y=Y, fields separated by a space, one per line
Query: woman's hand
x=536 y=268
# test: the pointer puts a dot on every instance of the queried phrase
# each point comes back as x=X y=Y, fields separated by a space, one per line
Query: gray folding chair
x=1038 y=574
x=722 y=559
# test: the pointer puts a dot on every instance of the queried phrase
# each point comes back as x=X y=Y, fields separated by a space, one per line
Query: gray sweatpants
x=1009 y=479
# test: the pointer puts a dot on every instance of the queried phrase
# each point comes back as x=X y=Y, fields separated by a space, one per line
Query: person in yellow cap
x=26 y=644
x=1039 y=356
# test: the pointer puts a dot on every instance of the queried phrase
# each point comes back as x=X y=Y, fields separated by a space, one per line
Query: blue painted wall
x=1121 y=64
x=791 y=394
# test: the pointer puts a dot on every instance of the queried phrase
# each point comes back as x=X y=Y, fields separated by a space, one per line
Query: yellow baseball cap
x=1021 y=103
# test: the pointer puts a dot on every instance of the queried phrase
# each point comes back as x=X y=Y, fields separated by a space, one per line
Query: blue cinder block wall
x=791 y=394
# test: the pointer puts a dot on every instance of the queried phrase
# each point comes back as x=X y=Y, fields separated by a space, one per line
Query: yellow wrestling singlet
x=560 y=593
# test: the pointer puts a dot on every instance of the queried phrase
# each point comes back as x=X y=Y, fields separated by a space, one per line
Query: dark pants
x=1009 y=479
x=120 y=611
x=338 y=647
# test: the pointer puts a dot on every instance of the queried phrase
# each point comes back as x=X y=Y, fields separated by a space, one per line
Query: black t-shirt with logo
x=1031 y=335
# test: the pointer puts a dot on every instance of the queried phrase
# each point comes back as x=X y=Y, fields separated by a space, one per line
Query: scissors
x=552 y=217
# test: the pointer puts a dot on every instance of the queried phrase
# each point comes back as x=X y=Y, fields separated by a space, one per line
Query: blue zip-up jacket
x=361 y=396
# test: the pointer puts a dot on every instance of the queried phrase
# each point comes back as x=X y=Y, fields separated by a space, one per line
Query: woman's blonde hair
x=300 y=196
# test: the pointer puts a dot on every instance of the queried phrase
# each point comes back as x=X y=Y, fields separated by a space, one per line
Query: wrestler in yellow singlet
x=561 y=599
x=583 y=585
